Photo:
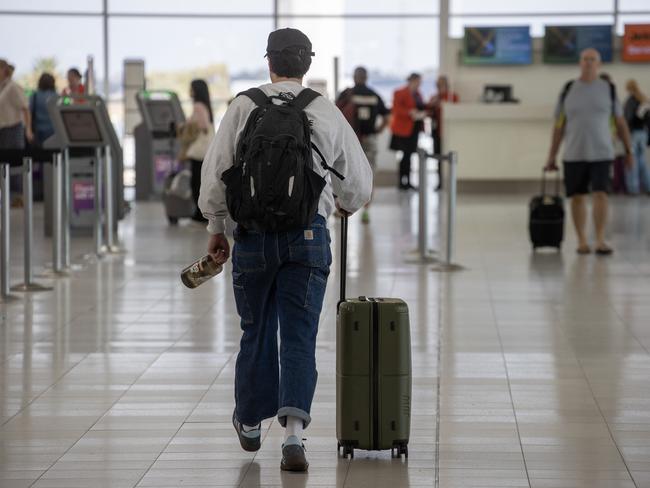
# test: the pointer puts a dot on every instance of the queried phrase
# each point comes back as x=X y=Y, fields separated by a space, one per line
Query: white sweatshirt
x=332 y=134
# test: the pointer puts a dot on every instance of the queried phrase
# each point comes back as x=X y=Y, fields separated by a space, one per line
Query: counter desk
x=499 y=145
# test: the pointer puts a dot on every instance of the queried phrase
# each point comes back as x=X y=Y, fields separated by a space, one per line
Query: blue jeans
x=637 y=178
x=278 y=278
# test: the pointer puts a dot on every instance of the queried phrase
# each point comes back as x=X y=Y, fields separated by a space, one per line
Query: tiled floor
x=529 y=370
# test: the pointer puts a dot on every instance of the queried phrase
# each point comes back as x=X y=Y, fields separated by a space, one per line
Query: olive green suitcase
x=373 y=371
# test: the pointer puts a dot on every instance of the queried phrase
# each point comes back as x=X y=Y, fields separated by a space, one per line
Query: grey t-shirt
x=588 y=110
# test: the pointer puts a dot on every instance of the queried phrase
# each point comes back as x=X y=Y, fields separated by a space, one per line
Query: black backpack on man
x=272 y=185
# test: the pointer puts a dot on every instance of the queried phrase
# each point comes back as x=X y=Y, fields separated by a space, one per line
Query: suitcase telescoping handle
x=557 y=183
x=344 y=256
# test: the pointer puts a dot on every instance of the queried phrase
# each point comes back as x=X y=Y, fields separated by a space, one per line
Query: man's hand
x=629 y=160
x=219 y=248
x=29 y=135
x=551 y=165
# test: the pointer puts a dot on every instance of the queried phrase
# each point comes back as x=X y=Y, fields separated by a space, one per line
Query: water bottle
x=200 y=271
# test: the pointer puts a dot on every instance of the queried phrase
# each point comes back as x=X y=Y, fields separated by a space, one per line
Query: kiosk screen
x=161 y=114
x=81 y=126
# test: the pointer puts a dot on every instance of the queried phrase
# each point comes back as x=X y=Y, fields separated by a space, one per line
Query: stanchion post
x=65 y=209
x=109 y=199
x=27 y=206
x=28 y=239
x=4 y=231
x=446 y=264
x=451 y=207
x=422 y=254
x=97 y=173
x=56 y=209
x=423 y=227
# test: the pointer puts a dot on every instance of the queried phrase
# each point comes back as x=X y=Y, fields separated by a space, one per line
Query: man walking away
x=584 y=111
x=279 y=276
x=362 y=106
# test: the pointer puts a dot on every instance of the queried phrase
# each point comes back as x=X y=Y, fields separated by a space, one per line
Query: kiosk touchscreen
x=81 y=127
x=82 y=124
x=156 y=146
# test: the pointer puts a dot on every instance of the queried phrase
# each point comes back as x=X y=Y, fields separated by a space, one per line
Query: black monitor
x=160 y=110
x=161 y=114
x=498 y=94
x=81 y=127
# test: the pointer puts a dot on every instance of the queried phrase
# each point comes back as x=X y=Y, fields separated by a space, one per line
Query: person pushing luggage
x=280 y=155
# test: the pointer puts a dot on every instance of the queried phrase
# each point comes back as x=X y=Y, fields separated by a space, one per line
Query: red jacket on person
x=403 y=102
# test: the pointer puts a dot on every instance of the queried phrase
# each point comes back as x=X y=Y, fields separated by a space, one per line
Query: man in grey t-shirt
x=583 y=117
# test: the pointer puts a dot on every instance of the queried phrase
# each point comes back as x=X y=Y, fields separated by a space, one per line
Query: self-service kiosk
x=156 y=146
x=83 y=130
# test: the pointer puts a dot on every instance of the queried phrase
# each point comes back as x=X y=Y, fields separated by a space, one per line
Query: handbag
x=199 y=147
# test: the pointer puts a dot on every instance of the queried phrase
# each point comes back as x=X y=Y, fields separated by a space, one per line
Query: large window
x=37 y=43
x=193 y=7
x=54 y=6
x=389 y=48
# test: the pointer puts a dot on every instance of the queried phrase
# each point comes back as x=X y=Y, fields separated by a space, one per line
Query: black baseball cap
x=282 y=39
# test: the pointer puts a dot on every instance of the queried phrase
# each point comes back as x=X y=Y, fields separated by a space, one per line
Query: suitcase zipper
x=375 y=374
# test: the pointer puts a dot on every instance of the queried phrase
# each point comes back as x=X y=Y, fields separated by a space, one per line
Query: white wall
x=534 y=84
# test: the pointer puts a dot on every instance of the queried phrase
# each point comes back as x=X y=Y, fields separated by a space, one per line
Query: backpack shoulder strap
x=304 y=98
x=565 y=91
x=256 y=95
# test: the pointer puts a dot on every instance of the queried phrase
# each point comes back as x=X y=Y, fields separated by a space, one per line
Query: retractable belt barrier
x=18 y=158
x=61 y=198
x=424 y=254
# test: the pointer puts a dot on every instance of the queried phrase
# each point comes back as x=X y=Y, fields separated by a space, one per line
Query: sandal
x=583 y=250
x=604 y=251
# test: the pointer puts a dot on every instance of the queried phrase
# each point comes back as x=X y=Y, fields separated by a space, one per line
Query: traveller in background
x=362 y=106
x=637 y=176
x=618 y=165
x=15 y=119
x=15 y=122
x=202 y=122
x=582 y=115
x=280 y=277
x=75 y=86
x=406 y=124
x=41 y=124
x=443 y=95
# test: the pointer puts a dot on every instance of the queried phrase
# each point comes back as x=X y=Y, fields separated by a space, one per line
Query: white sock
x=293 y=428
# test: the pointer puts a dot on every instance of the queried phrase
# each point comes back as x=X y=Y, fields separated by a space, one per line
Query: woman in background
x=203 y=119
x=637 y=178
x=406 y=125
x=41 y=123
x=75 y=86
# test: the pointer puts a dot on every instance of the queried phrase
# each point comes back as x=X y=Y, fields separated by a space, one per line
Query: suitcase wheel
x=347 y=450
x=400 y=449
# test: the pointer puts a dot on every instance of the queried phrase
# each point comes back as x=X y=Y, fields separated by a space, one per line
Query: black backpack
x=272 y=185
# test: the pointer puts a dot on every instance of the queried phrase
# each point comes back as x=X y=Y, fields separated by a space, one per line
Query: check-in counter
x=497 y=143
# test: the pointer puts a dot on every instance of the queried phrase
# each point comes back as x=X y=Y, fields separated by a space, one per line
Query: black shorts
x=582 y=177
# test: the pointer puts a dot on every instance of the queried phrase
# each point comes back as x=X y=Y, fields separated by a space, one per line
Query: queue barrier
x=61 y=198
x=424 y=255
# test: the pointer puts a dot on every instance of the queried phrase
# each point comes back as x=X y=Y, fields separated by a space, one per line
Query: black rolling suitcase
x=373 y=371
x=546 y=217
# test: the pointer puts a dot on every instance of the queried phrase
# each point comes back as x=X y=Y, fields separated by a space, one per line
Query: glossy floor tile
x=529 y=370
